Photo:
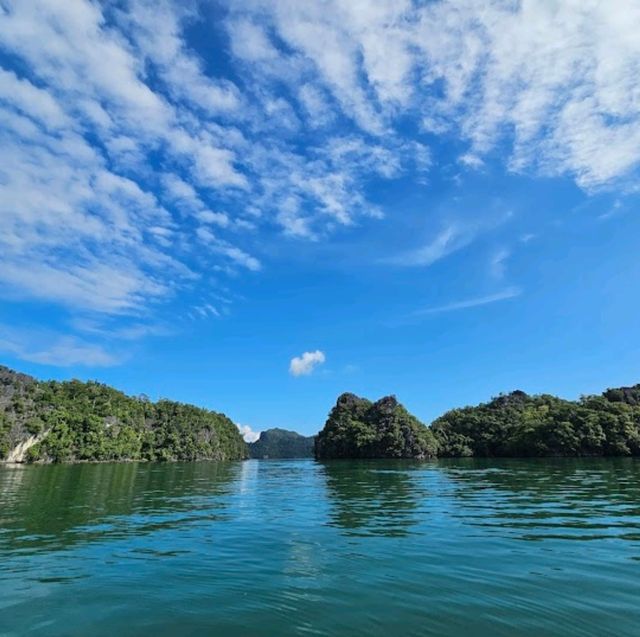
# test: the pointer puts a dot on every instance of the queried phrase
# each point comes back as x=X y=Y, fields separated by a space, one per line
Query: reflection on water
x=373 y=497
x=449 y=548
x=558 y=498
x=52 y=506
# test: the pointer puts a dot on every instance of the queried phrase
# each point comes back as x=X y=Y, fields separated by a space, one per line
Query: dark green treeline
x=511 y=425
x=79 y=421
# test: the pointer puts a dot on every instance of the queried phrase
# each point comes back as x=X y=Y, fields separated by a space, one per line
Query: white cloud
x=106 y=96
x=248 y=434
x=471 y=160
x=122 y=151
x=508 y=293
x=157 y=29
x=305 y=364
x=316 y=105
x=250 y=42
x=76 y=230
x=556 y=81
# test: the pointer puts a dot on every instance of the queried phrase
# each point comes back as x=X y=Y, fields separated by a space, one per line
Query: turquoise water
x=526 y=548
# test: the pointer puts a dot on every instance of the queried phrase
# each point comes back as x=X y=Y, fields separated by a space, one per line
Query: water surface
x=453 y=548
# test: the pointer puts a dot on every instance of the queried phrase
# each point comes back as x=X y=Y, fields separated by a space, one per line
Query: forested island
x=358 y=428
x=73 y=421
x=281 y=443
x=516 y=425
x=511 y=425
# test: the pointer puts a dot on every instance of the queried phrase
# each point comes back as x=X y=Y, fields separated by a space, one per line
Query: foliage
x=78 y=421
x=91 y=421
x=517 y=424
x=357 y=428
x=280 y=443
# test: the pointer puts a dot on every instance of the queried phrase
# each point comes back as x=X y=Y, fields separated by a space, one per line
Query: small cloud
x=305 y=364
x=612 y=212
x=248 y=434
x=471 y=160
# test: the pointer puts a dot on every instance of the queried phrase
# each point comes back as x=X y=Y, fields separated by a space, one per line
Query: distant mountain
x=280 y=443
x=358 y=428
x=72 y=421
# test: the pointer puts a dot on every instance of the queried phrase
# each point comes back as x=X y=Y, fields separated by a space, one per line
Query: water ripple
x=488 y=548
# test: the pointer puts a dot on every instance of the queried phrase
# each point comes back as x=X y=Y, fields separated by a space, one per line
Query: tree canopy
x=79 y=421
x=88 y=421
x=510 y=425
x=516 y=425
x=358 y=428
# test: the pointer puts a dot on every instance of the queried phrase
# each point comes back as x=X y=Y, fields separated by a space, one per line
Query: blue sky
x=256 y=206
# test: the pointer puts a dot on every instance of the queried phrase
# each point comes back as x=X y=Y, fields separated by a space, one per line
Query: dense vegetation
x=280 y=443
x=517 y=424
x=512 y=425
x=75 y=421
x=358 y=428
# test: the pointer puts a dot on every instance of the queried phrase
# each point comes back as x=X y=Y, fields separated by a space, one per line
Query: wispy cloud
x=449 y=240
x=560 y=94
x=120 y=190
x=508 y=293
x=50 y=348
x=498 y=263
x=616 y=209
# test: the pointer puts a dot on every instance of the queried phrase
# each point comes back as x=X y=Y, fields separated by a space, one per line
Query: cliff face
x=280 y=443
x=358 y=428
x=75 y=421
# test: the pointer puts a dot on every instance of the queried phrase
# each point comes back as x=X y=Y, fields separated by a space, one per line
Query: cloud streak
x=50 y=348
x=447 y=241
x=508 y=293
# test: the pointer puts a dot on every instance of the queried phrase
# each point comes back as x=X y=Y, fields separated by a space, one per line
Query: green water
x=525 y=548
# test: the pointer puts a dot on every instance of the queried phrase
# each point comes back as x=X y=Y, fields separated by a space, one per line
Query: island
x=520 y=425
x=512 y=425
x=281 y=443
x=358 y=428
x=74 y=421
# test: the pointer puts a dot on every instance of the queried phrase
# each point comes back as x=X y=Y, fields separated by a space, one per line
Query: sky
x=255 y=206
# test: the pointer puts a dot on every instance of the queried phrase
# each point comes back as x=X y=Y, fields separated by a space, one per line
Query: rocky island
x=73 y=421
x=514 y=425
x=281 y=443
x=358 y=428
